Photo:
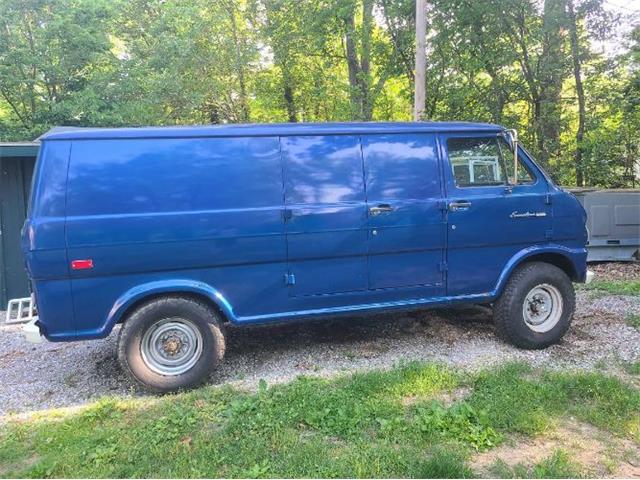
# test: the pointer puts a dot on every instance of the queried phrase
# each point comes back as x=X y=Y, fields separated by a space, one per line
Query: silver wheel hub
x=171 y=346
x=542 y=308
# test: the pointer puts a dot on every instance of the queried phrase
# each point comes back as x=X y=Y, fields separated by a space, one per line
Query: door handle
x=459 y=205
x=381 y=208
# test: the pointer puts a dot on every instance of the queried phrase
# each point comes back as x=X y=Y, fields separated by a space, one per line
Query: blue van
x=174 y=232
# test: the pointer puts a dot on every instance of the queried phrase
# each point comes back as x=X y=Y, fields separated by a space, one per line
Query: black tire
x=198 y=315
x=508 y=313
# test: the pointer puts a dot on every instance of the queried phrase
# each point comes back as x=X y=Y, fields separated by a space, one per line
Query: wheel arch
x=559 y=256
x=141 y=294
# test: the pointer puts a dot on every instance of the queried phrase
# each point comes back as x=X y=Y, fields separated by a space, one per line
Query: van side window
x=476 y=161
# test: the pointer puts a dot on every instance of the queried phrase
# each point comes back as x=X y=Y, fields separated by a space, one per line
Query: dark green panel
x=28 y=149
x=15 y=181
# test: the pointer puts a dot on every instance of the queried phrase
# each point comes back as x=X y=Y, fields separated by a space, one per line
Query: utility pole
x=421 y=60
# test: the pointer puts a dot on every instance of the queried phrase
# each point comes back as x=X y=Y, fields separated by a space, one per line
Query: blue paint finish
x=326 y=228
x=55 y=308
x=406 y=243
x=355 y=213
x=159 y=287
x=484 y=237
x=275 y=129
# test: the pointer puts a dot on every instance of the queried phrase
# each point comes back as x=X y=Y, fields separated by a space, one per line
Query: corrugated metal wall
x=15 y=183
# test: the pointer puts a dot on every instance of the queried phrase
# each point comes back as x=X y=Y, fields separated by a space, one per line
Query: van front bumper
x=32 y=333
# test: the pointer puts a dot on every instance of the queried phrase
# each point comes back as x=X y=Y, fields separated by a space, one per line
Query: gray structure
x=613 y=220
x=16 y=168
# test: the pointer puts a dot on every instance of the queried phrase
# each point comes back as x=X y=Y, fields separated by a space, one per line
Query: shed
x=613 y=221
x=16 y=165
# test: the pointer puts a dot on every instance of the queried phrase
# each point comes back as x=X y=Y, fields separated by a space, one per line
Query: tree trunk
x=366 y=110
x=361 y=92
x=292 y=114
x=393 y=29
x=282 y=58
x=577 y=74
x=239 y=64
x=353 y=67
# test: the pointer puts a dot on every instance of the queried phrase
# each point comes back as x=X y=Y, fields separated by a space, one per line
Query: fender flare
x=146 y=290
x=569 y=253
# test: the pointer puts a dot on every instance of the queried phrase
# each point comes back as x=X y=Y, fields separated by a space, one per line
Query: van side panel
x=327 y=214
x=184 y=209
x=44 y=228
x=43 y=241
x=407 y=249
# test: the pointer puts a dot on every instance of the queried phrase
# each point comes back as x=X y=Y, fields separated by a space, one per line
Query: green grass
x=632 y=368
x=377 y=424
x=633 y=320
x=614 y=287
x=558 y=465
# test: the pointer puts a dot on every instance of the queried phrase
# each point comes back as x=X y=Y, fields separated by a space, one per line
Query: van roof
x=266 y=129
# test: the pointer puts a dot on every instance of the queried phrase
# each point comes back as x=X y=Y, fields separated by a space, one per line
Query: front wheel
x=536 y=307
x=171 y=343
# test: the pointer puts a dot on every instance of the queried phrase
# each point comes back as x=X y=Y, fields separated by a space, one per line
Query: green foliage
x=615 y=287
x=114 y=63
x=445 y=463
x=633 y=368
x=633 y=320
x=376 y=424
x=558 y=465
x=460 y=422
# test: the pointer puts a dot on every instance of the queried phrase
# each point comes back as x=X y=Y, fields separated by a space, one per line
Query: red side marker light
x=82 y=264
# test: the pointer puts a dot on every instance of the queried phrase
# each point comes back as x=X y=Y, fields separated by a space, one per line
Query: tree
x=525 y=64
x=576 y=58
x=553 y=70
x=49 y=53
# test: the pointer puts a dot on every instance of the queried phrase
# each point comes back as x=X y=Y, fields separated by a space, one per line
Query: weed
x=460 y=422
x=558 y=465
x=632 y=368
x=633 y=320
x=615 y=287
x=445 y=463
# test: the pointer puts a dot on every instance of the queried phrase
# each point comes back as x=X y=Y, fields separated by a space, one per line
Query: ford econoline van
x=175 y=232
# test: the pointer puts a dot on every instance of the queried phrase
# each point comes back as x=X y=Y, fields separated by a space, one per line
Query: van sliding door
x=325 y=214
x=406 y=221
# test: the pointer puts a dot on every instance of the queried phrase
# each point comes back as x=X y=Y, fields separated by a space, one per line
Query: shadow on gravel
x=342 y=331
x=362 y=336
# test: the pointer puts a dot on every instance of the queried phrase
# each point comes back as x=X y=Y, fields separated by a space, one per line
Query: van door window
x=525 y=175
x=476 y=161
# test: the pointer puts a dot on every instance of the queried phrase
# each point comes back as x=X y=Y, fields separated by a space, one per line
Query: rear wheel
x=171 y=343
x=536 y=307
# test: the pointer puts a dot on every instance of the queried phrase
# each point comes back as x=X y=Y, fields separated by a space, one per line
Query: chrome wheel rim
x=542 y=308
x=171 y=346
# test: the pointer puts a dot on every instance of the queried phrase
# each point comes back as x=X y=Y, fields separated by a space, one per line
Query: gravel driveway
x=35 y=377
